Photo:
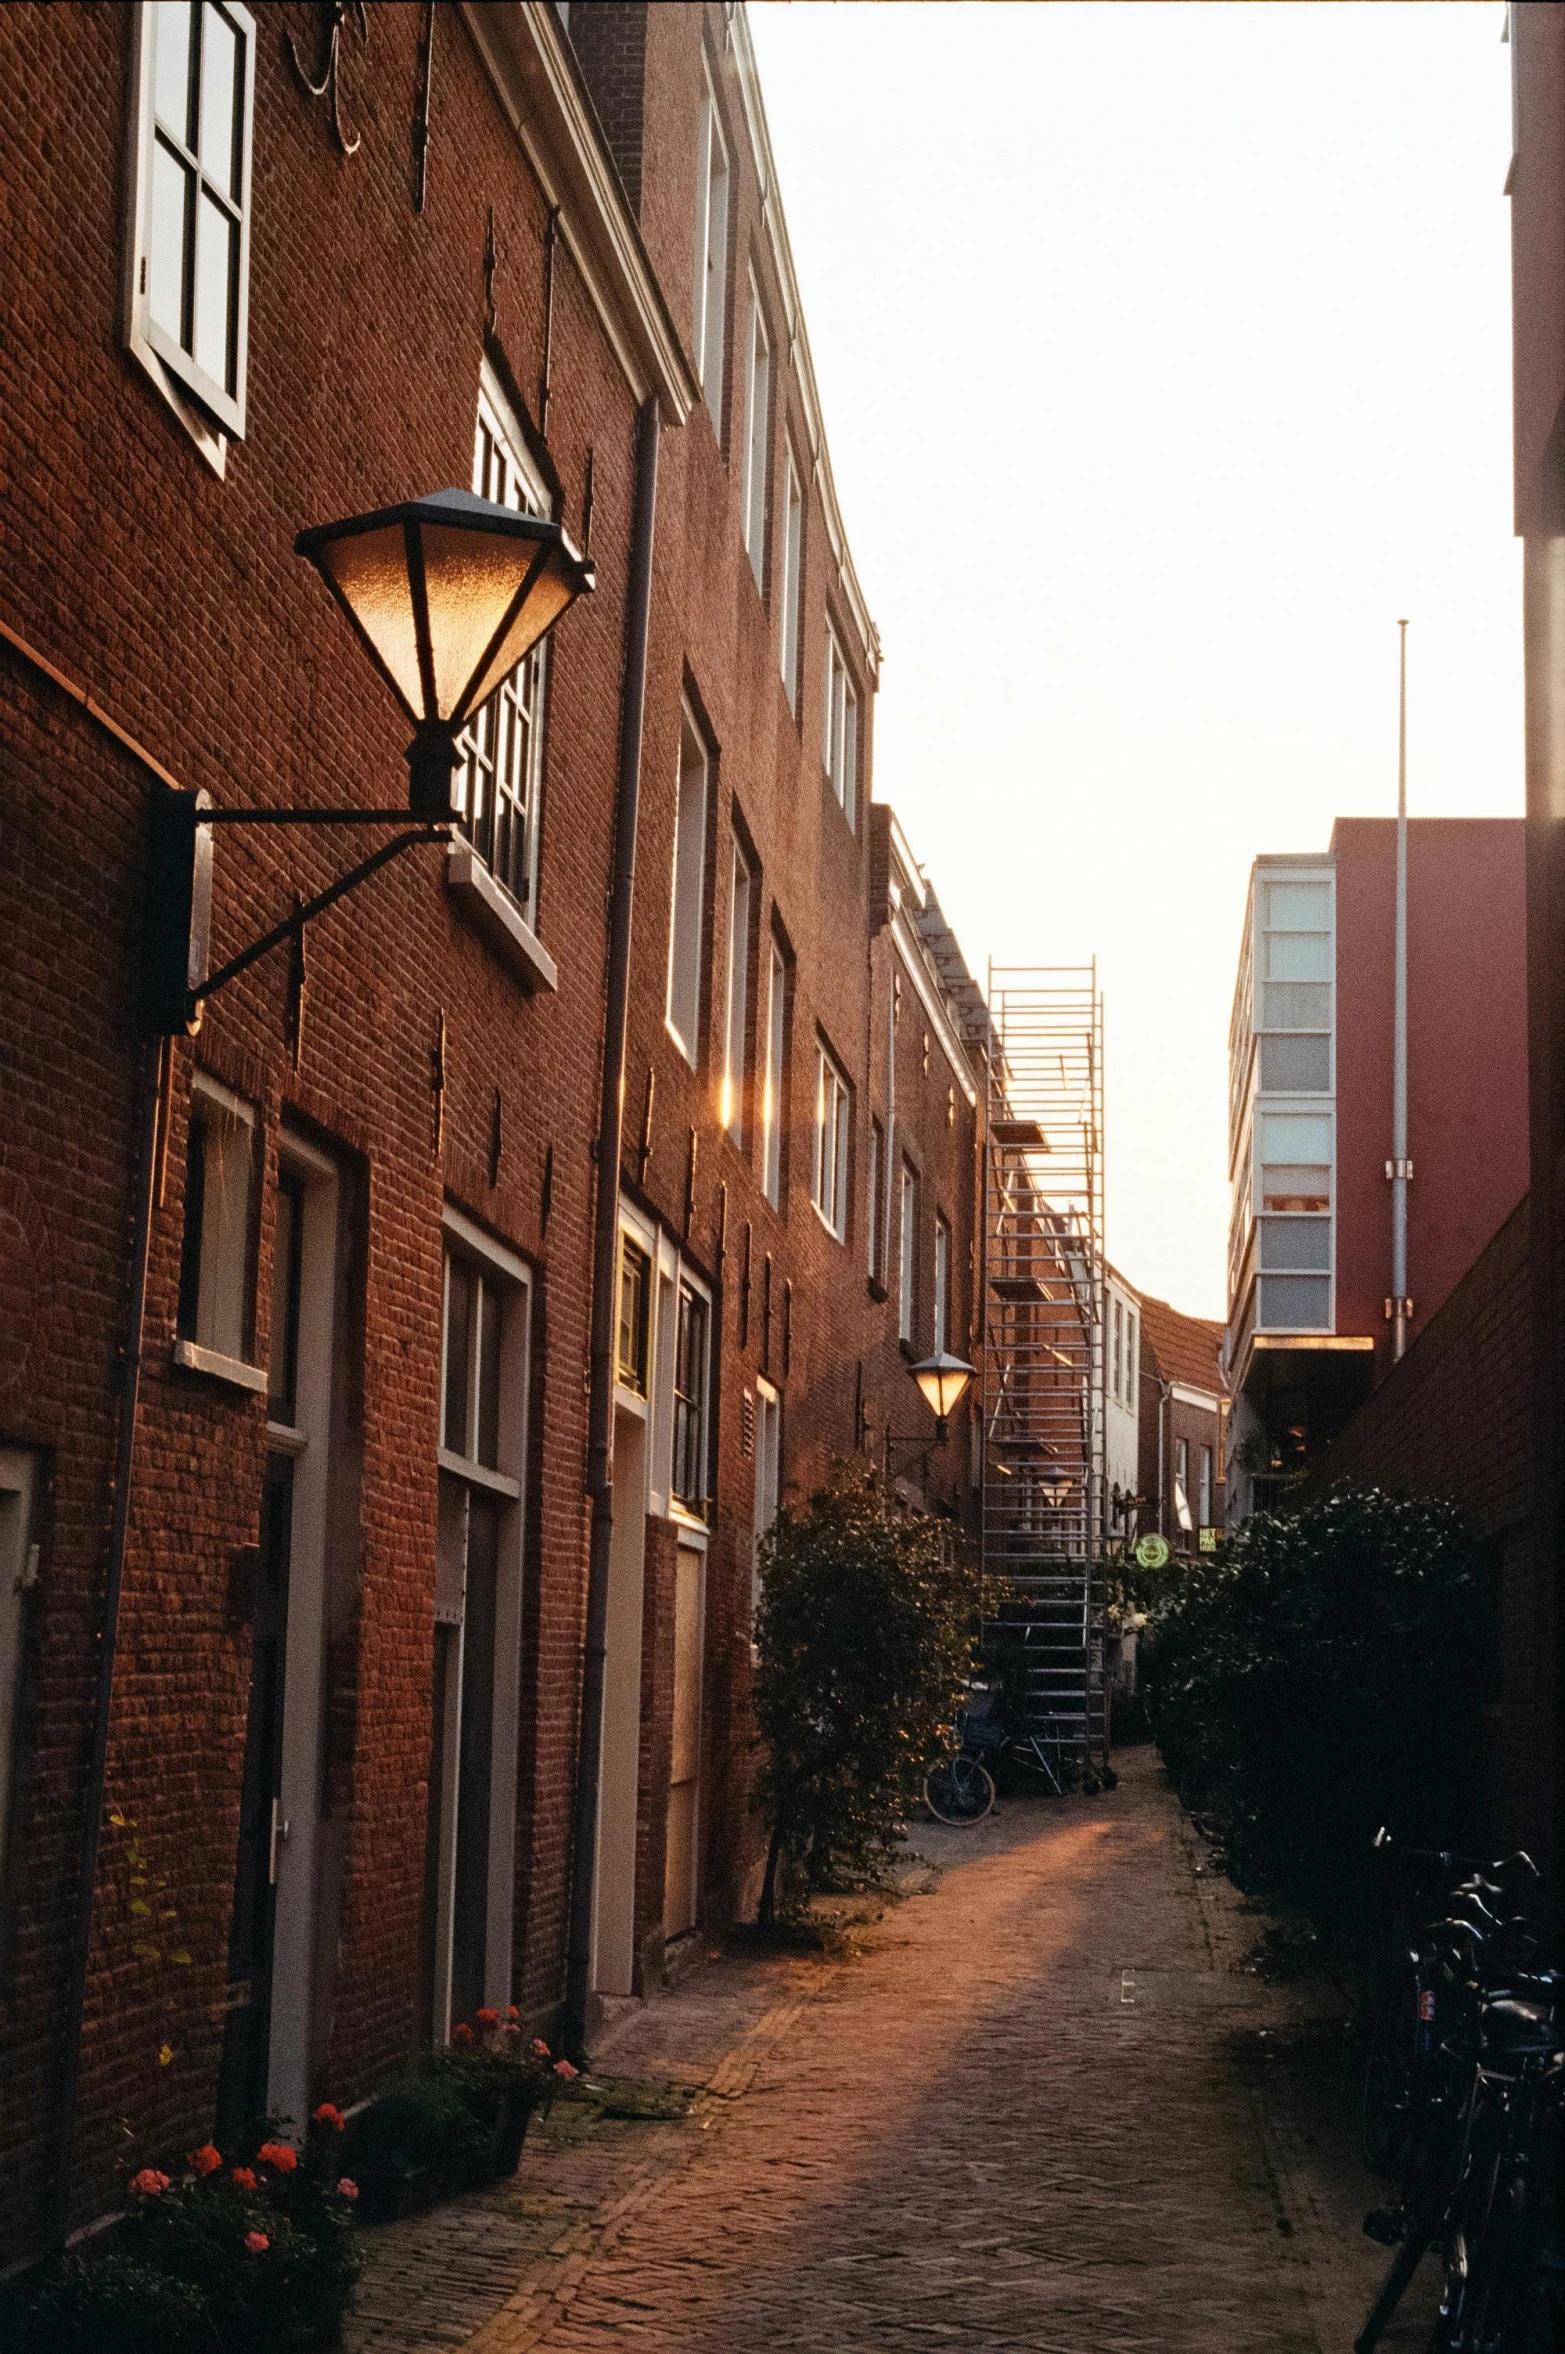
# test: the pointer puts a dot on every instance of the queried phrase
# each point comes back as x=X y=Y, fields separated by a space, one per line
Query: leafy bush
x=454 y=2119
x=108 y=2304
x=1318 y=1676
x=864 y=1630
x=251 y=2255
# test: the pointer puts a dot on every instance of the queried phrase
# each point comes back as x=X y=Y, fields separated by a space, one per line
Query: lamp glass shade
x=447 y=594
x=942 y=1379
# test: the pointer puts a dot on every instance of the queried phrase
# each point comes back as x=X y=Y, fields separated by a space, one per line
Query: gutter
x=605 y=1247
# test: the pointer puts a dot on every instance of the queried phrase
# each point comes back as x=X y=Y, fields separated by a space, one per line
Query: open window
x=188 y=249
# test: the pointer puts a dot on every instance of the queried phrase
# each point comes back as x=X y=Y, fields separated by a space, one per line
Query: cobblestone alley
x=1034 y=2111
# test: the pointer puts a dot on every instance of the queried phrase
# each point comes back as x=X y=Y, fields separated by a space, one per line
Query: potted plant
x=455 y=2120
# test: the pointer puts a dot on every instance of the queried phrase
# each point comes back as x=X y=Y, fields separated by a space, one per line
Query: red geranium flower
x=245 y=2179
x=486 y=2019
x=564 y=2068
x=206 y=2160
x=278 y=2154
x=149 y=2182
x=461 y=2035
x=540 y=2047
x=512 y=2013
x=347 y=2189
x=257 y=2242
x=328 y=2114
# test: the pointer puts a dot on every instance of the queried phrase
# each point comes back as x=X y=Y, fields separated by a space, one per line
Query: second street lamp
x=942 y=1380
x=446 y=595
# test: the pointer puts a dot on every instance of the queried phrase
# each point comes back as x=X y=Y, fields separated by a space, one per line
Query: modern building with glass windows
x=1310 y=1060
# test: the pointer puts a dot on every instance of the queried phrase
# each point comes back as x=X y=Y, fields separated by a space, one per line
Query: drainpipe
x=108 y=1635
x=605 y=1251
x=1164 y=1392
x=1399 y=1160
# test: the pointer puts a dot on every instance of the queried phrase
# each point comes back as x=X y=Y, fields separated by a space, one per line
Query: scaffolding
x=1043 y=1491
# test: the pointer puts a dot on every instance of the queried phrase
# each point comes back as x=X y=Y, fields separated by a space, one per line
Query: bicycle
x=1469 y=2075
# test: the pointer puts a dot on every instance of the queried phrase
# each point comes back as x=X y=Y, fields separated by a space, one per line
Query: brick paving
x=1032 y=2113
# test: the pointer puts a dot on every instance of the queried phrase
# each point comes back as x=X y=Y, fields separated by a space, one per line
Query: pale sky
x=1165 y=359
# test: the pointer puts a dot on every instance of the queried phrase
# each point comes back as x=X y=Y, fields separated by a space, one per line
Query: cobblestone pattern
x=1031 y=2115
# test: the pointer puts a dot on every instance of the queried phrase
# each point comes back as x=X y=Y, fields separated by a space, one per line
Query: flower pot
x=510 y=2133
x=387 y=2193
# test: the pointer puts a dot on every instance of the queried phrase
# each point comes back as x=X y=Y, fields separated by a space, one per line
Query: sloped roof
x=1181 y=1348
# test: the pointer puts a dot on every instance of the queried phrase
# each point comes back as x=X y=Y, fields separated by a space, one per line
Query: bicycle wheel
x=1389 y=2061
x=958 y=1790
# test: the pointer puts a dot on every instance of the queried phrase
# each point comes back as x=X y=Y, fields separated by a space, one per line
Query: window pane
x=733 y=1105
x=490 y=1315
x=1295 y=1136
x=1298 y=956
x=216 y=238
x=684 y=947
x=633 y=1301
x=839 y=1199
x=848 y=793
x=459 y=1314
x=1295 y=1303
x=772 y=1105
x=1298 y=907
x=171 y=188
x=282 y=1386
x=1296 y=1243
x=1295 y=1066
x=1296 y=1005
x=171 y=27
x=220 y=88
x=1286 y=1188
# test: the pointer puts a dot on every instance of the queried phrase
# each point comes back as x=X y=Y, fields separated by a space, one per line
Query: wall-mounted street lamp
x=942 y=1381
x=446 y=595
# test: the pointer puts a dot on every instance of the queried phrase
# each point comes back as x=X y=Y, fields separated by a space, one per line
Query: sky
x=1164 y=353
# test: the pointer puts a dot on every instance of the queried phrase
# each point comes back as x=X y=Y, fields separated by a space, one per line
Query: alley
x=1025 y=2116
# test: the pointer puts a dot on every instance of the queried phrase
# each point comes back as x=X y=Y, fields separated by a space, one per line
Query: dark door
x=242 y=2078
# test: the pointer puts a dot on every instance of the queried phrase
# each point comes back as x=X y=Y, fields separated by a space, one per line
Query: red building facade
x=341 y=1724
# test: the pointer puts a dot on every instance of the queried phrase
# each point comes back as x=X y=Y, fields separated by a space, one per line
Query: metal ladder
x=1043 y=1501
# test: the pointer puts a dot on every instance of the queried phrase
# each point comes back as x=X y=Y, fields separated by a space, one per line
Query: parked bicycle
x=960 y=1789
x=1463 y=2087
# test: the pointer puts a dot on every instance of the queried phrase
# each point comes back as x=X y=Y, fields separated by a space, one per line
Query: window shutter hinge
x=1395 y=1169
x=143 y=274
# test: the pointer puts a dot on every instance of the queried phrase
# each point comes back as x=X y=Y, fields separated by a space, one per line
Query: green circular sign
x=1152 y=1552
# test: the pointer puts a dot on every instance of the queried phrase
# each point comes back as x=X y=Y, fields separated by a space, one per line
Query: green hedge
x=1321 y=1675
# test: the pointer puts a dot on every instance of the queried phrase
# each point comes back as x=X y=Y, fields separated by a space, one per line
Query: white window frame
x=942 y=1283
x=682 y=1507
x=508 y=1484
x=741 y=903
x=907 y=1253
x=840 y=747
x=498 y=784
x=212 y=411
x=687 y=904
x=757 y=436
x=768 y=1475
x=710 y=288
x=833 y=1140
x=875 y=1197
x=221 y=1319
x=773 y=1107
x=792 y=583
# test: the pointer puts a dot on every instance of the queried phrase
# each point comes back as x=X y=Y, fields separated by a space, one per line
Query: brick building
x=1183 y=1409
x=331 y=1459
x=1311 y=1077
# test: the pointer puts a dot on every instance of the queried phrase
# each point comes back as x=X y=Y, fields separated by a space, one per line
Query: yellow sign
x=1207 y=1540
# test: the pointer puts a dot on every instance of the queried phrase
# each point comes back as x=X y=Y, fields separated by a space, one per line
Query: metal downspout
x=605 y=1253
x=107 y=1639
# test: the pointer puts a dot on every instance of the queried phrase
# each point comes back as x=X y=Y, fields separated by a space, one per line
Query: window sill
x=193 y=1358
x=687 y=1522
x=826 y=1222
x=479 y=1475
x=494 y=914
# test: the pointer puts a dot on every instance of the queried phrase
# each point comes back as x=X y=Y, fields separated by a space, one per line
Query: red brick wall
x=174 y=597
